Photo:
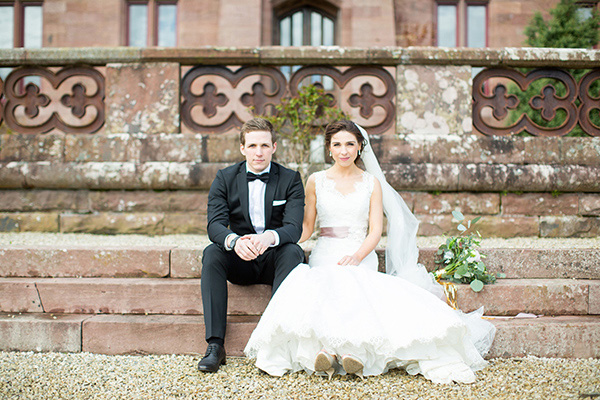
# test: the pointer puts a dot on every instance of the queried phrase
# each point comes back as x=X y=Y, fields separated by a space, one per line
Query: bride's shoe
x=325 y=362
x=352 y=365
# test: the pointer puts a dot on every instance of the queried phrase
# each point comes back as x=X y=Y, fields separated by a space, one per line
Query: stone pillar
x=434 y=100
x=142 y=98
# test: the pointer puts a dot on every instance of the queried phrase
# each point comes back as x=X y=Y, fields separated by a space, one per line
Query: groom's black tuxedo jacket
x=228 y=204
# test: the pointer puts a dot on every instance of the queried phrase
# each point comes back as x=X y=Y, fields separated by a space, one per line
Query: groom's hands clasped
x=249 y=247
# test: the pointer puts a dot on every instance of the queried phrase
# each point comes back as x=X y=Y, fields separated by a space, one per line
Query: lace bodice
x=335 y=209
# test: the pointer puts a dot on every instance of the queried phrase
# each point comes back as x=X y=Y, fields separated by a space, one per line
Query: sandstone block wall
x=141 y=174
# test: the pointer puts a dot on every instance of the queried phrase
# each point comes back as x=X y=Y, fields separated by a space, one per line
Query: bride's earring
x=330 y=155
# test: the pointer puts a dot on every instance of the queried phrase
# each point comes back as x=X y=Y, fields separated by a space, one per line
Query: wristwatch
x=232 y=243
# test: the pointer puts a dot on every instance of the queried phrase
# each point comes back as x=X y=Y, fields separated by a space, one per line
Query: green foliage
x=298 y=119
x=461 y=258
x=565 y=29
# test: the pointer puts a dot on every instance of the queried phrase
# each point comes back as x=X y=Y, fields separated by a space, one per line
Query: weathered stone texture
x=19 y=296
x=143 y=296
x=188 y=200
x=140 y=200
x=467 y=203
x=172 y=148
x=488 y=226
x=29 y=222
x=544 y=263
x=594 y=297
x=27 y=147
x=43 y=200
x=566 y=337
x=540 y=204
x=137 y=334
x=142 y=98
x=433 y=100
x=537 y=296
x=423 y=176
x=58 y=261
x=580 y=151
x=542 y=150
x=41 y=332
x=589 y=204
x=112 y=223
x=120 y=295
x=224 y=148
x=189 y=222
x=116 y=147
x=159 y=334
x=193 y=175
x=569 y=226
x=12 y=175
x=533 y=178
x=186 y=263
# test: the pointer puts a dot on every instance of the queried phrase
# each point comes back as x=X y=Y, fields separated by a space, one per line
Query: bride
x=338 y=314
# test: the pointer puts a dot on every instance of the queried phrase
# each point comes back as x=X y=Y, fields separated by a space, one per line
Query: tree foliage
x=299 y=119
x=566 y=28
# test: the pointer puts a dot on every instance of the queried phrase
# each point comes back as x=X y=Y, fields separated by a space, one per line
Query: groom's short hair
x=256 y=124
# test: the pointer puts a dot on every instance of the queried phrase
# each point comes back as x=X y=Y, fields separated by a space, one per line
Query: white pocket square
x=278 y=202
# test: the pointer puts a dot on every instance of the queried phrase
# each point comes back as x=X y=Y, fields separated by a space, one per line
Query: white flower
x=475 y=257
x=448 y=255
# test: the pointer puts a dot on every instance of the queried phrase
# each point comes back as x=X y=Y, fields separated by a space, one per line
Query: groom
x=255 y=212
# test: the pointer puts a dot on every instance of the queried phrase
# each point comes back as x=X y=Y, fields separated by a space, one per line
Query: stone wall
x=158 y=184
x=75 y=23
x=141 y=174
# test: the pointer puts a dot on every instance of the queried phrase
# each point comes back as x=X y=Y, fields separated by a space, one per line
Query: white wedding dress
x=385 y=321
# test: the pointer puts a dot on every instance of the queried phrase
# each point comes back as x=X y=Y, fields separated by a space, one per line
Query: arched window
x=306 y=26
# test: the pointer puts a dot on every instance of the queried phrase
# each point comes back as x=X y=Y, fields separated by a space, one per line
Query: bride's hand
x=349 y=260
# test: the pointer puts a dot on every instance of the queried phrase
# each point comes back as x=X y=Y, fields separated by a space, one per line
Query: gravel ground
x=90 y=376
x=82 y=239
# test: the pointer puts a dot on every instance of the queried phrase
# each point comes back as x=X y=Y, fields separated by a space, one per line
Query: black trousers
x=220 y=266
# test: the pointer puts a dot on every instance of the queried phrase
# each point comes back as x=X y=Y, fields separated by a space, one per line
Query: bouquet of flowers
x=461 y=257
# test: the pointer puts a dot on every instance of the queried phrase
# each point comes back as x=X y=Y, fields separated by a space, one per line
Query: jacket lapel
x=270 y=194
x=242 y=187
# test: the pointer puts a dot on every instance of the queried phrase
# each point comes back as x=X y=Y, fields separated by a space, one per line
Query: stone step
x=186 y=262
x=565 y=336
x=183 y=296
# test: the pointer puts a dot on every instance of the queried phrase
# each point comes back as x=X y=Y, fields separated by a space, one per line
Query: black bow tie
x=263 y=177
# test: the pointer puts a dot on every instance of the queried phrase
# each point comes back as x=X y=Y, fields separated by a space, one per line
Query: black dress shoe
x=213 y=359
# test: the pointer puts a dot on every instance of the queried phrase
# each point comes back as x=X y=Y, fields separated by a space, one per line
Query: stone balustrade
x=117 y=140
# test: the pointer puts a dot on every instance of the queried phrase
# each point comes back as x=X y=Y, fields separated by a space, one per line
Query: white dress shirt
x=256 y=207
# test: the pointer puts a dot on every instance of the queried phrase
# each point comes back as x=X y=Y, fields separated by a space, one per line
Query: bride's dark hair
x=348 y=126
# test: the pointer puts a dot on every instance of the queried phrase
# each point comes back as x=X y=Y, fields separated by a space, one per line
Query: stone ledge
x=183 y=296
x=159 y=334
x=108 y=175
x=505 y=226
x=536 y=296
x=149 y=223
x=80 y=261
x=563 y=337
x=184 y=261
x=19 y=296
x=140 y=296
x=41 y=332
x=213 y=148
x=328 y=55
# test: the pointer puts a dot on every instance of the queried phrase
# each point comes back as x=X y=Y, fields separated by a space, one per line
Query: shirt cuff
x=227 y=241
x=276 y=236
